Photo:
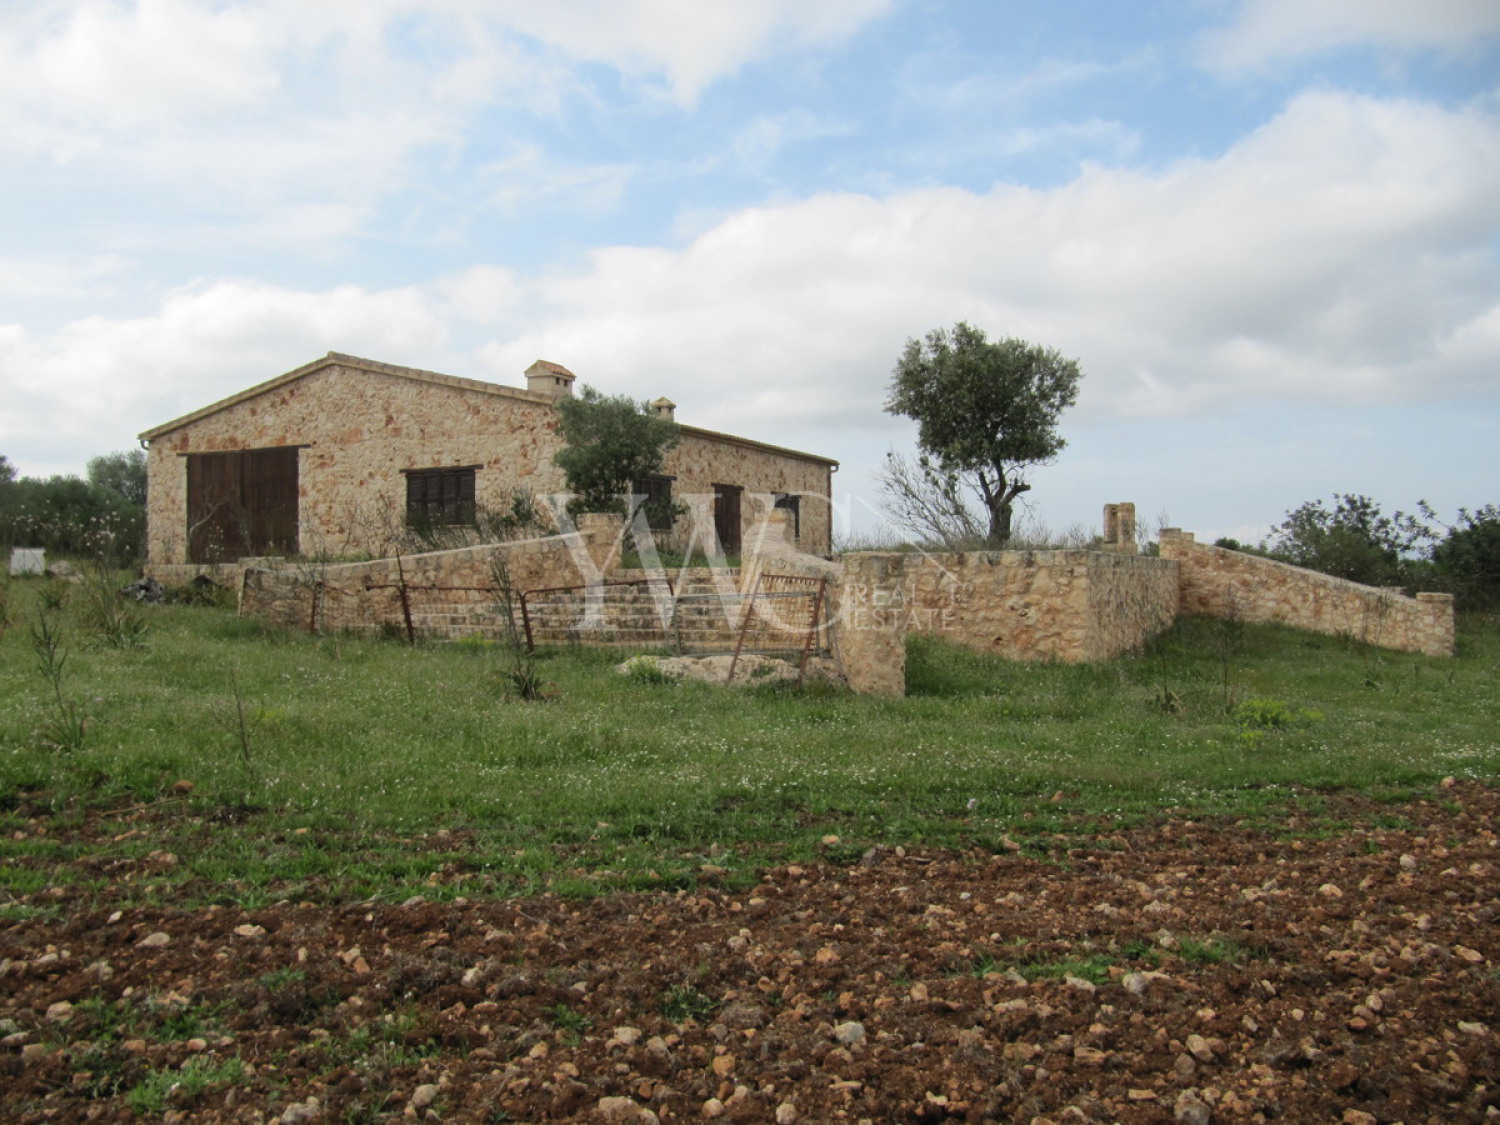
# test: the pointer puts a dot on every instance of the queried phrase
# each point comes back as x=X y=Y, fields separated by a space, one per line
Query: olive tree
x=986 y=412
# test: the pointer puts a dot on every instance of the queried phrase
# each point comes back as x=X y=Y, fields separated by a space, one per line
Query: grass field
x=327 y=766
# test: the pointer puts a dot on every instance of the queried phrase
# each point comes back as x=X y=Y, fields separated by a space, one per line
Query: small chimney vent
x=551 y=379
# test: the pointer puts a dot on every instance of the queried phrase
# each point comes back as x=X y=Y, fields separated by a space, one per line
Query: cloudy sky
x=1269 y=230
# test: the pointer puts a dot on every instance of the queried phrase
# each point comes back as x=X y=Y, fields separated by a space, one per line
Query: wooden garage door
x=242 y=503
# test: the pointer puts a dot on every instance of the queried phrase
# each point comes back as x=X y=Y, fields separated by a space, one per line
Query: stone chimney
x=550 y=379
x=665 y=408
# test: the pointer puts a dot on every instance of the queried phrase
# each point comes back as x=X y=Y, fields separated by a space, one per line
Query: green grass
x=370 y=768
x=1217 y=951
x=153 y=1094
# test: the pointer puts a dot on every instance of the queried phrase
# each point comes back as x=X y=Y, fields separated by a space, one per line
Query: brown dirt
x=1242 y=975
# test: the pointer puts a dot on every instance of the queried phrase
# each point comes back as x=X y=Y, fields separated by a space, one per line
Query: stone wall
x=1132 y=598
x=357 y=424
x=1072 y=606
x=1224 y=583
x=362 y=596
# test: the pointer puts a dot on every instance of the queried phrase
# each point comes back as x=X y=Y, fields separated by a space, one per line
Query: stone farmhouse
x=326 y=459
x=273 y=487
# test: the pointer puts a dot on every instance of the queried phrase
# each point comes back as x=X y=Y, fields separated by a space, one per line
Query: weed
x=278 y=979
x=571 y=1022
x=522 y=673
x=114 y=622
x=1142 y=951
x=153 y=1093
x=1226 y=635
x=100 y=1069
x=53 y=595
x=1217 y=951
x=1271 y=714
x=67 y=726
x=646 y=670
x=111 y=1020
x=683 y=1002
x=1093 y=969
x=980 y=968
x=238 y=723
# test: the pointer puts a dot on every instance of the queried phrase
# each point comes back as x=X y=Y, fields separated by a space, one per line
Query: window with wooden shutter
x=440 y=496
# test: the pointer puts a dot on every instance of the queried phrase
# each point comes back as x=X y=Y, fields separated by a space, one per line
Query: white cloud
x=1343 y=253
x=98 y=382
x=283 y=108
x=128 y=65
x=1265 y=31
x=69 y=276
x=76 y=75
x=1340 y=251
x=689 y=42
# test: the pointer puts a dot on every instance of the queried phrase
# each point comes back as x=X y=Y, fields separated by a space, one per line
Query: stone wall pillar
x=870 y=623
x=1119 y=529
x=1438 y=610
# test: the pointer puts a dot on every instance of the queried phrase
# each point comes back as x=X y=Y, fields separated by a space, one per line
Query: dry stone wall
x=1132 y=598
x=1072 y=606
x=869 y=622
x=1224 y=583
x=364 y=596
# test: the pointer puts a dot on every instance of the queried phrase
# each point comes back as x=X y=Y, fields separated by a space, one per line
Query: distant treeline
x=102 y=517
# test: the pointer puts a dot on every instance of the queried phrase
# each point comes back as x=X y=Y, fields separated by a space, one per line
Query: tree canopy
x=70 y=516
x=1352 y=540
x=612 y=442
x=986 y=411
x=123 y=473
x=1467 y=558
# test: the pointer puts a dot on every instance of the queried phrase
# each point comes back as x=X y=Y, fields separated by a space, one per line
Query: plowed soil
x=1196 y=972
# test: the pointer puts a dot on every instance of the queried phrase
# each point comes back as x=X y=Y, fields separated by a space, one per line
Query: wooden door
x=727 y=516
x=241 y=503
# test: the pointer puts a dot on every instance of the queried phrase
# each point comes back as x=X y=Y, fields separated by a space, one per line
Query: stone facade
x=1224 y=583
x=357 y=427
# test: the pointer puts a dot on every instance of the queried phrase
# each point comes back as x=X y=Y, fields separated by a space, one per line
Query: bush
x=1468 y=559
x=1353 y=540
x=69 y=516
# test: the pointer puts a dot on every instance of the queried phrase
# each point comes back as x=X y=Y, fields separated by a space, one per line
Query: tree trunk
x=1000 y=499
x=1000 y=523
